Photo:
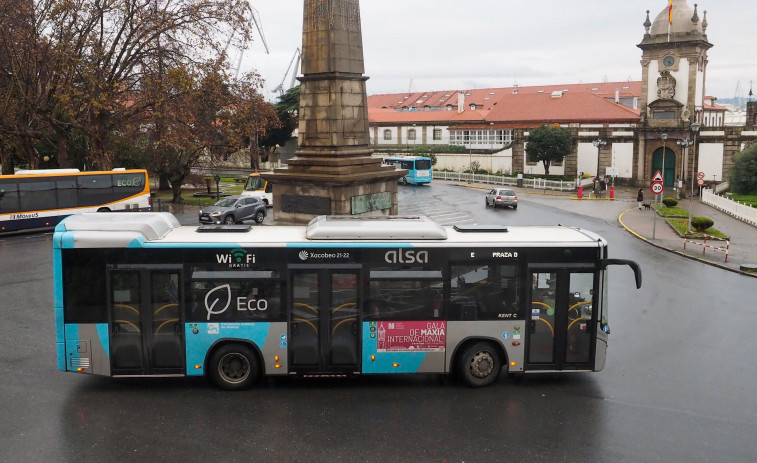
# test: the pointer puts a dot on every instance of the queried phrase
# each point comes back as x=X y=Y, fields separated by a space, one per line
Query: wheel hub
x=482 y=365
x=234 y=368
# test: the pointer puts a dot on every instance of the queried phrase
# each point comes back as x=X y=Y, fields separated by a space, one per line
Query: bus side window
x=8 y=198
x=484 y=292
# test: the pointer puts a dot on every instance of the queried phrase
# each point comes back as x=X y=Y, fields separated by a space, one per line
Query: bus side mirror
x=634 y=266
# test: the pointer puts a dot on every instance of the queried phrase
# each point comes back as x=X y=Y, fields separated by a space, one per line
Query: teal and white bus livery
x=140 y=295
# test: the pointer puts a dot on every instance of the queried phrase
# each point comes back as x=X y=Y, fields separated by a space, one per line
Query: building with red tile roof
x=625 y=129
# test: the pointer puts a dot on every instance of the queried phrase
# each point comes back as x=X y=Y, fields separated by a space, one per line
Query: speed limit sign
x=657 y=188
x=700 y=182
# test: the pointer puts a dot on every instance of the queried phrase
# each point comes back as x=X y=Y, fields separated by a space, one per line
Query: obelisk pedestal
x=333 y=171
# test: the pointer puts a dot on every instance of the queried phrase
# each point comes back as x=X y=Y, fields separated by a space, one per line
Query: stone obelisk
x=333 y=171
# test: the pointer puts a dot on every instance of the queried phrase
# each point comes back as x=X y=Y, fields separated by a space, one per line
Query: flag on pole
x=670 y=16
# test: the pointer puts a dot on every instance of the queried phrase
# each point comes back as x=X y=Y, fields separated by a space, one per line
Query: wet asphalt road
x=678 y=386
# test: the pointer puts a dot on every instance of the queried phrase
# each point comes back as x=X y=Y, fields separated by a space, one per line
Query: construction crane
x=296 y=61
x=255 y=17
x=259 y=27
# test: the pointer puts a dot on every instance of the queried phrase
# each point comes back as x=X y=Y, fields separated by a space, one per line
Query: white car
x=502 y=197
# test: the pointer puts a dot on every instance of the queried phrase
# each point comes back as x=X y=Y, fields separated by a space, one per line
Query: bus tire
x=234 y=367
x=480 y=364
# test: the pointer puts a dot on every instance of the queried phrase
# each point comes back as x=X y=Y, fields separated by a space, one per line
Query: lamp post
x=664 y=137
x=694 y=129
x=491 y=147
x=598 y=143
x=684 y=143
x=470 y=157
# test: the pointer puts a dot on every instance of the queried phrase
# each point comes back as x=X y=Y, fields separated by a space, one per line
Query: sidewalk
x=640 y=223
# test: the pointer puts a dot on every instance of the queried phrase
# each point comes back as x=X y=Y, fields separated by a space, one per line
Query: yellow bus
x=36 y=199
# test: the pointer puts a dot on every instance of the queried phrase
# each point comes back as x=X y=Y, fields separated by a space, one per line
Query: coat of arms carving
x=666 y=86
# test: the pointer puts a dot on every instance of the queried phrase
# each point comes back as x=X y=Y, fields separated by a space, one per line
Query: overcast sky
x=425 y=45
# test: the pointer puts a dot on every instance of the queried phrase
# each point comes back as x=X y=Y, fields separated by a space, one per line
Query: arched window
x=387 y=134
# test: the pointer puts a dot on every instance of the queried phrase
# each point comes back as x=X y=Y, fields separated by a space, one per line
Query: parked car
x=502 y=197
x=234 y=209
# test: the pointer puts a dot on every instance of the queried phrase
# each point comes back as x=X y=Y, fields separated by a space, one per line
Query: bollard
x=612 y=192
x=580 y=192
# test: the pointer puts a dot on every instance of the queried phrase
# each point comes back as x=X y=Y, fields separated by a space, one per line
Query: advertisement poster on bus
x=411 y=336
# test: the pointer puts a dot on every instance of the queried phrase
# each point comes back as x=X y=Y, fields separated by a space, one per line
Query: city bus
x=419 y=171
x=141 y=295
x=37 y=199
x=259 y=187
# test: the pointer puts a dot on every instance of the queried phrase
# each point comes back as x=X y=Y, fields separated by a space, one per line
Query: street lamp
x=664 y=137
x=598 y=143
x=684 y=143
x=470 y=157
x=694 y=129
x=491 y=147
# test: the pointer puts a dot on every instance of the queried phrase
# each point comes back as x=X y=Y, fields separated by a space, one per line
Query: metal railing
x=705 y=246
x=537 y=183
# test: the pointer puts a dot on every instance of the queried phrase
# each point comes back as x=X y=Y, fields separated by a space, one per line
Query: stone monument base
x=299 y=197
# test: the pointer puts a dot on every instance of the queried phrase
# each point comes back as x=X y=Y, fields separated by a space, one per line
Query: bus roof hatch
x=344 y=227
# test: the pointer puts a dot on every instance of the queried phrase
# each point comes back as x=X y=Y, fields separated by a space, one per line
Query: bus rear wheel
x=480 y=364
x=234 y=367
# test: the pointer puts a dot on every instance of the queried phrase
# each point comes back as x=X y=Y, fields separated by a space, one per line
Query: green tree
x=548 y=144
x=286 y=109
x=743 y=174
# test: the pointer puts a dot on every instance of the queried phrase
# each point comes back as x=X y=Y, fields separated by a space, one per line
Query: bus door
x=146 y=323
x=323 y=319
x=561 y=319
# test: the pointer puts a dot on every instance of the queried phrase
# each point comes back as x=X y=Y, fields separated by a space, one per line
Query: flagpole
x=670 y=17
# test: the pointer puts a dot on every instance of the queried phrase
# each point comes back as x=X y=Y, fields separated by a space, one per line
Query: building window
x=437 y=134
x=411 y=134
x=387 y=134
x=664 y=115
x=473 y=107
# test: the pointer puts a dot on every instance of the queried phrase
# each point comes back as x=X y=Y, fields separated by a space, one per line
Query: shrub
x=743 y=173
x=701 y=224
x=670 y=202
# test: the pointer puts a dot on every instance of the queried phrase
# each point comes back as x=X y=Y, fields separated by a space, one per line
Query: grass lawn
x=676 y=211
x=750 y=200
x=681 y=225
x=228 y=187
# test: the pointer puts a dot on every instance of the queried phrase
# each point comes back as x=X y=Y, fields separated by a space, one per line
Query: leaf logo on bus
x=304 y=255
x=219 y=294
x=406 y=256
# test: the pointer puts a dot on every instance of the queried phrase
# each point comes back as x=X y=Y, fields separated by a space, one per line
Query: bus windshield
x=254 y=183
x=423 y=164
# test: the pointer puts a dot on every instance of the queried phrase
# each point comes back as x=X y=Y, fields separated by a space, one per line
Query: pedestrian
x=640 y=197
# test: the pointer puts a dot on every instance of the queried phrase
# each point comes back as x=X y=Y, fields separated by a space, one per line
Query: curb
x=680 y=253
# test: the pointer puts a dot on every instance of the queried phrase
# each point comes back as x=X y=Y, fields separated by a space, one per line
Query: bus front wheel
x=480 y=364
x=234 y=367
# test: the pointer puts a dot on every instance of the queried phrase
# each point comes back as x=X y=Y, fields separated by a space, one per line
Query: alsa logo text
x=406 y=256
x=236 y=258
